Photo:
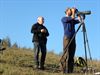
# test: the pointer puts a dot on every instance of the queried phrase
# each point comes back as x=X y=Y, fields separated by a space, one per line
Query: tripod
x=86 y=43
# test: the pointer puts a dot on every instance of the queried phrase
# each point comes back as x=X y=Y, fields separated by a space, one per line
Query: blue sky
x=17 y=17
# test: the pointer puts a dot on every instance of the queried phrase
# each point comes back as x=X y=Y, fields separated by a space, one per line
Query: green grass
x=19 y=61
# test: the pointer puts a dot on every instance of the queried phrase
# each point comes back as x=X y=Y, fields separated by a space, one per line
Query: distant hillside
x=19 y=61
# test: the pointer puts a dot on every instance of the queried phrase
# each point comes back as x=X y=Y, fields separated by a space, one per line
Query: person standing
x=40 y=34
x=69 y=22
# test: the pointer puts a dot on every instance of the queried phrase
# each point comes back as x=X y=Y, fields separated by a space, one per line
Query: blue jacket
x=69 y=26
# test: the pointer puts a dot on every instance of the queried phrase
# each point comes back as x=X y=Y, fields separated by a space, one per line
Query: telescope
x=83 y=13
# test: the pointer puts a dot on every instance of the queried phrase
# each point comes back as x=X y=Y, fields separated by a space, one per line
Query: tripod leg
x=88 y=46
x=84 y=38
x=86 y=43
x=91 y=69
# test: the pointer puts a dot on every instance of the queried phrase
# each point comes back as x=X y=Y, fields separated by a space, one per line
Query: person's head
x=40 y=20
x=68 y=12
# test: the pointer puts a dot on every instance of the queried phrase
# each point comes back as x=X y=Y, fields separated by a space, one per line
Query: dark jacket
x=37 y=35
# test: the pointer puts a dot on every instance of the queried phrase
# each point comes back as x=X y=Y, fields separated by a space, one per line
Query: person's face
x=69 y=12
x=41 y=20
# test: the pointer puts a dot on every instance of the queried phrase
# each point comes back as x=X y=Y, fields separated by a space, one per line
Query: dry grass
x=19 y=61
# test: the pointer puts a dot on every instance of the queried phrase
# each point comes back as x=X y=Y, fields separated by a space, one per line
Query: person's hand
x=73 y=10
x=43 y=30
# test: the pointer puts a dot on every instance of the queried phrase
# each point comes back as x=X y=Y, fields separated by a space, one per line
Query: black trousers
x=40 y=46
x=69 y=63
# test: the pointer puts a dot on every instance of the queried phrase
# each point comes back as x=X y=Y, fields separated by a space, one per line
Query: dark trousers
x=40 y=46
x=69 y=63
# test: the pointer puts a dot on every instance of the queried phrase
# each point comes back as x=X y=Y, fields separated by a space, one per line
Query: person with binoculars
x=69 y=22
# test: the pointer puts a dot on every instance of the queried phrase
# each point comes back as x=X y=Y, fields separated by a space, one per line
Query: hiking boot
x=36 y=67
x=42 y=68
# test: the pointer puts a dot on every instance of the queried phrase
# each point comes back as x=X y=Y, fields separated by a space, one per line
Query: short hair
x=67 y=9
x=39 y=18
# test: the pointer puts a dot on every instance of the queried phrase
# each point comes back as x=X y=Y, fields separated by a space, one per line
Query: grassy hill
x=19 y=61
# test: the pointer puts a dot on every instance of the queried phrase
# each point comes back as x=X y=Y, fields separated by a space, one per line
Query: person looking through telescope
x=69 y=22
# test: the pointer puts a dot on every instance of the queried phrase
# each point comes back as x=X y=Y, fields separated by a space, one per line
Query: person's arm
x=73 y=13
x=76 y=21
x=32 y=29
x=69 y=19
x=66 y=20
x=45 y=31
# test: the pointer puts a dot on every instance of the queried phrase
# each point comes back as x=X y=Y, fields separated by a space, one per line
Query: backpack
x=80 y=62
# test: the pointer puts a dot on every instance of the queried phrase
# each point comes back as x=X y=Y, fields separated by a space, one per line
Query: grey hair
x=39 y=18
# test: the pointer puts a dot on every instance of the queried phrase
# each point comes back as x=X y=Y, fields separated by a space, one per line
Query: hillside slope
x=19 y=61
